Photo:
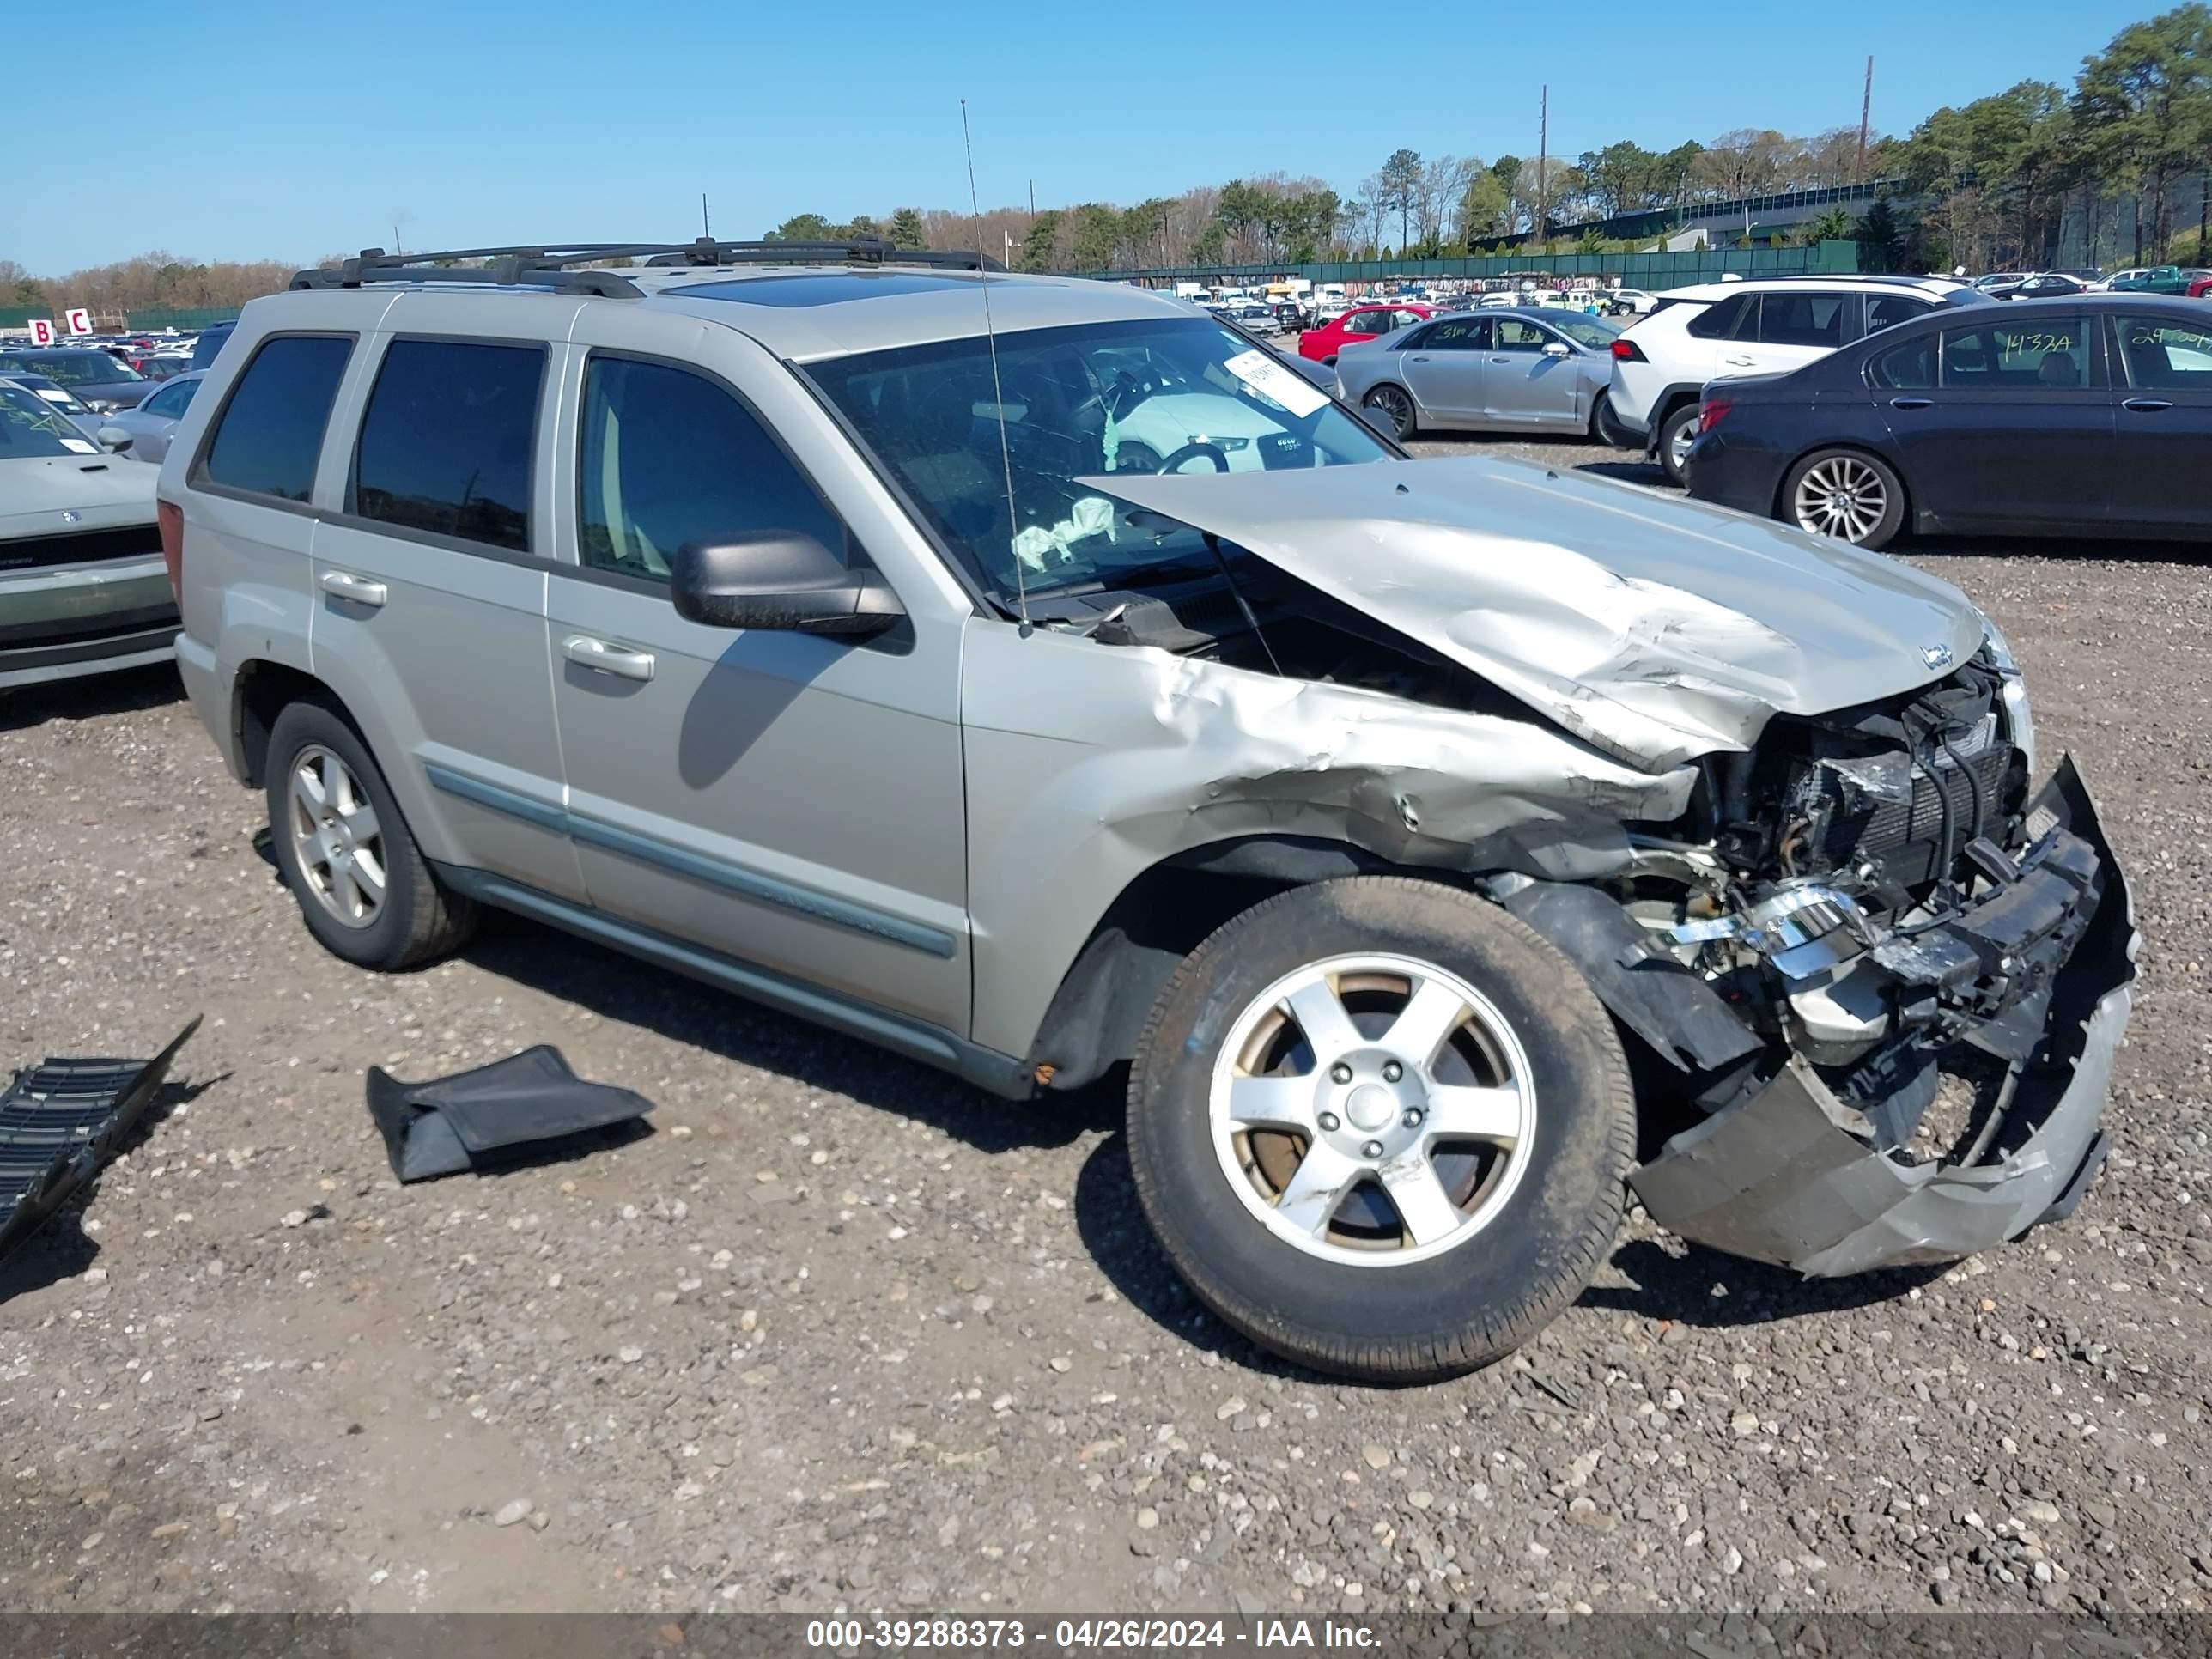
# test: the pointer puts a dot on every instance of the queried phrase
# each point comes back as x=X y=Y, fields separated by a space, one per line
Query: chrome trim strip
x=695 y=866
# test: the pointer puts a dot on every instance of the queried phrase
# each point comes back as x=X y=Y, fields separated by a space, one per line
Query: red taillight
x=172 y=517
x=1628 y=351
x=1711 y=412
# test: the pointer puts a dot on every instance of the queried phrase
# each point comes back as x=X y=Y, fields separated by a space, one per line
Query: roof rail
x=549 y=267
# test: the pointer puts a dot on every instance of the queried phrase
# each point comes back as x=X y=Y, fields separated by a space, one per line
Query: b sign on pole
x=42 y=331
x=80 y=320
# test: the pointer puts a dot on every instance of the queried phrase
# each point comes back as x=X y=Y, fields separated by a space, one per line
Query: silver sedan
x=151 y=424
x=1516 y=368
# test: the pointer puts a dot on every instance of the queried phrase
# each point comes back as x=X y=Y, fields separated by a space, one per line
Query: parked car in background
x=60 y=398
x=2045 y=285
x=2000 y=284
x=1483 y=370
x=103 y=383
x=209 y=342
x=1629 y=302
x=166 y=365
x=149 y=426
x=1721 y=330
x=1362 y=323
x=2153 y=279
x=83 y=588
x=2089 y=414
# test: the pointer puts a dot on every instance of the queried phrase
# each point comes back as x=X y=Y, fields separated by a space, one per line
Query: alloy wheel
x=1842 y=496
x=1396 y=404
x=1373 y=1109
x=337 y=838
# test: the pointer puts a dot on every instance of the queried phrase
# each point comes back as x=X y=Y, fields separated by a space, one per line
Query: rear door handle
x=607 y=657
x=1740 y=362
x=357 y=590
x=2147 y=405
x=1911 y=403
x=1417 y=360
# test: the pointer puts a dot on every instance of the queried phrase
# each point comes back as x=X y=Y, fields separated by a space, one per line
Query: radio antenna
x=998 y=400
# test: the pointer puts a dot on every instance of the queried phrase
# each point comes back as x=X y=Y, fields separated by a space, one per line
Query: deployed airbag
x=443 y=1126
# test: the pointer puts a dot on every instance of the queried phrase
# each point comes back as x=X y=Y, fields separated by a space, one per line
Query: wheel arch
x=1164 y=913
x=260 y=691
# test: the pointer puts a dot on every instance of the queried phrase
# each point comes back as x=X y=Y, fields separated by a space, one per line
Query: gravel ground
x=840 y=1334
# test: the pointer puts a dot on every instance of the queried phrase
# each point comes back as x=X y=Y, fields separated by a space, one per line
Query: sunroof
x=826 y=287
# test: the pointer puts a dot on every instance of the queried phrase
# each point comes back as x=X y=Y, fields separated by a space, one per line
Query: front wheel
x=1380 y=1127
x=1847 y=493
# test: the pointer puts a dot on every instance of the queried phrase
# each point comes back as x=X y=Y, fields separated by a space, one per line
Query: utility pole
x=1032 y=204
x=395 y=248
x=1866 y=108
x=705 y=228
x=1543 y=159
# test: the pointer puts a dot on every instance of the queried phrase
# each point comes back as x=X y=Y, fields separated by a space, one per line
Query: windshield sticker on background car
x=80 y=446
x=1276 y=384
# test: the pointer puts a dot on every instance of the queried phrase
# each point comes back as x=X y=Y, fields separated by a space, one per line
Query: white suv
x=1721 y=331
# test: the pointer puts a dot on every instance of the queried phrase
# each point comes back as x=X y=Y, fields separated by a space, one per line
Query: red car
x=1361 y=322
x=2200 y=288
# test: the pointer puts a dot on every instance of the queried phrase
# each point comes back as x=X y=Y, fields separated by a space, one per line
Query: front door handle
x=357 y=589
x=1740 y=362
x=2147 y=405
x=1911 y=403
x=607 y=657
x=1417 y=360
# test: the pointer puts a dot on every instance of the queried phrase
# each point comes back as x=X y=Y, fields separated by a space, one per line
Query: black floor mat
x=445 y=1124
x=59 y=1122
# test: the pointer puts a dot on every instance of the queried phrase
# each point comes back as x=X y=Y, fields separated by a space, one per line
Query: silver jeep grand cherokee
x=1030 y=676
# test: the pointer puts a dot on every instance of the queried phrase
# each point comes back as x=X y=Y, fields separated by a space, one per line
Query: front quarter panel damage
x=1087 y=765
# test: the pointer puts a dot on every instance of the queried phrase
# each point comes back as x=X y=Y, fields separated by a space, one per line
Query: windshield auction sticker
x=1271 y=380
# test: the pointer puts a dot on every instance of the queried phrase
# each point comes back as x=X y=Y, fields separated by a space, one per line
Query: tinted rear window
x=268 y=437
x=1719 y=322
x=1806 y=319
x=444 y=446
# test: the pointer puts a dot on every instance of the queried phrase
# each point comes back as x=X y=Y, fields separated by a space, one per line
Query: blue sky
x=253 y=129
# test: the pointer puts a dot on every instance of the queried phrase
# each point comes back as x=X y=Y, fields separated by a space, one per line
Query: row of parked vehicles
x=1439 y=847
x=1859 y=407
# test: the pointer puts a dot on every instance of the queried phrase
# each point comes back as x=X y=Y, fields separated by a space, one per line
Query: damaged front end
x=1893 y=1008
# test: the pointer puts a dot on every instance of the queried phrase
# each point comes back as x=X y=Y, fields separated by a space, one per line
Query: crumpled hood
x=1656 y=629
x=106 y=492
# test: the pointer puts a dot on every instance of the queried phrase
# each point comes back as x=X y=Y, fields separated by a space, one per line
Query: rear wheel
x=1381 y=1129
x=1397 y=404
x=343 y=849
x=1847 y=493
x=1676 y=434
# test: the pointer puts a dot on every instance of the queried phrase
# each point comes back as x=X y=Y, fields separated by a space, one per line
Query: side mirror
x=113 y=438
x=1557 y=349
x=778 y=579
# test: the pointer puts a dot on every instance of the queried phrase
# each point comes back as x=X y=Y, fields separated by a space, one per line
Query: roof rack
x=549 y=267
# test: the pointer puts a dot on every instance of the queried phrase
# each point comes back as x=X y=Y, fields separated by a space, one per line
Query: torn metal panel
x=1086 y=766
x=1655 y=639
x=1791 y=1176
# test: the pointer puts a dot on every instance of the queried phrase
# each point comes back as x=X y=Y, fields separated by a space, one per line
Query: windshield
x=29 y=428
x=39 y=386
x=1596 y=332
x=72 y=367
x=1182 y=394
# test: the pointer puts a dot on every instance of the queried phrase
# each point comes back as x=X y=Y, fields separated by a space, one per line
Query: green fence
x=1652 y=270
x=141 y=319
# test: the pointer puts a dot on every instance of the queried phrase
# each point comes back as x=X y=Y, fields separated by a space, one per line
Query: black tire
x=1682 y=417
x=1398 y=403
x=1885 y=524
x=1429 y=1318
x=1603 y=428
x=419 y=920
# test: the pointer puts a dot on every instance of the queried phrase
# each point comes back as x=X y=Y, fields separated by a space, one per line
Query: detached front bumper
x=1784 y=1176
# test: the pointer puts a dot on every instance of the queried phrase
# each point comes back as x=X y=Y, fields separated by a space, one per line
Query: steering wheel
x=1211 y=452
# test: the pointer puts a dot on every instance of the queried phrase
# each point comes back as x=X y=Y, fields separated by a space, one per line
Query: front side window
x=1802 y=319
x=1518 y=336
x=1367 y=322
x=1453 y=334
x=270 y=435
x=668 y=457
x=170 y=401
x=30 y=429
x=1070 y=405
x=2045 y=354
x=2164 y=355
x=444 y=446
